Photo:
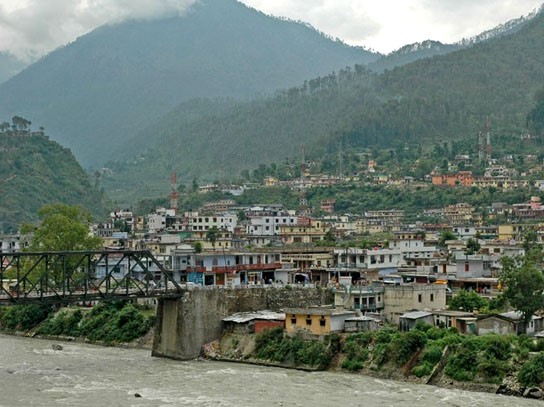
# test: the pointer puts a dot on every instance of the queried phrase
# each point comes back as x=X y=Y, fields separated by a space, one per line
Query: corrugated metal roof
x=416 y=315
x=244 y=317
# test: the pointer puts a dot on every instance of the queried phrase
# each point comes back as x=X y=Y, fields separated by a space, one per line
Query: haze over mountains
x=447 y=97
x=95 y=93
x=126 y=93
x=9 y=66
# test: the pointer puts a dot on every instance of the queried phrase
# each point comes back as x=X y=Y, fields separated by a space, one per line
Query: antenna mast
x=174 y=192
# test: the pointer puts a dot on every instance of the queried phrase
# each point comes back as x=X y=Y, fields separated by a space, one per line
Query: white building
x=267 y=221
x=160 y=220
x=368 y=258
x=198 y=222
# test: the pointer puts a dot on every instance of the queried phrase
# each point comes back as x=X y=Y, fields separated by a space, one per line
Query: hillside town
x=381 y=268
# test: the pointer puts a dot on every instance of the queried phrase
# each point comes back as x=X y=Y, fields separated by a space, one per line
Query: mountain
x=448 y=97
x=429 y=48
x=9 y=66
x=96 y=92
x=35 y=171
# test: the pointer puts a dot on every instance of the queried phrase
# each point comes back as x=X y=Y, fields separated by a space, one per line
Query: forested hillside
x=446 y=97
x=97 y=92
x=35 y=171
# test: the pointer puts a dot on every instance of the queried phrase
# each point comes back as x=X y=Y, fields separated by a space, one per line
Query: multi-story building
x=412 y=247
x=383 y=221
x=399 y=299
x=228 y=268
x=303 y=233
x=266 y=221
x=197 y=222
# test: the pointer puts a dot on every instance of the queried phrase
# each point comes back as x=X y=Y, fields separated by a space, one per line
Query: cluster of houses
x=402 y=280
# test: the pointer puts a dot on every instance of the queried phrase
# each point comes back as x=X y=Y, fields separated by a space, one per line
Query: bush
x=380 y=353
x=532 y=372
x=424 y=369
x=313 y=353
x=407 y=344
x=110 y=322
x=356 y=351
x=385 y=335
x=23 y=317
x=493 y=370
x=462 y=363
x=273 y=345
x=496 y=346
x=65 y=322
x=432 y=354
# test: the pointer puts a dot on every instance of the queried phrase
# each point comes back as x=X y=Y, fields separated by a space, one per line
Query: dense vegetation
x=35 y=171
x=485 y=359
x=448 y=97
x=109 y=322
x=98 y=91
x=273 y=345
x=482 y=359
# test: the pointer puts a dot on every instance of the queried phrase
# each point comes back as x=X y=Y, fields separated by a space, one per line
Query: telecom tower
x=488 y=143
x=174 y=192
x=480 y=147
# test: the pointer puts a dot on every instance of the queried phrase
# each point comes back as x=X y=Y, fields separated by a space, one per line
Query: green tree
x=446 y=235
x=472 y=247
x=523 y=282
x=467 y=301
x=62 y=228
x=212 y=235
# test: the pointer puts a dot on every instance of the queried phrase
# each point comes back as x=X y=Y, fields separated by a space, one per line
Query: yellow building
x=316 y=321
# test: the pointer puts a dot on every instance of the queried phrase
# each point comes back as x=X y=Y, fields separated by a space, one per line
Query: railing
x=67 y=277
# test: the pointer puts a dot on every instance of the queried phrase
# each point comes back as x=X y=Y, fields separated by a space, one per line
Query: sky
x=32 y=28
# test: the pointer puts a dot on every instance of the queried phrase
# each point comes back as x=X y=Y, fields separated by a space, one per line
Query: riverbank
x=117 y=324
x=369 y=358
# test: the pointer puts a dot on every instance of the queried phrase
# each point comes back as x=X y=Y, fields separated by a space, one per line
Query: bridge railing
x=65 y=277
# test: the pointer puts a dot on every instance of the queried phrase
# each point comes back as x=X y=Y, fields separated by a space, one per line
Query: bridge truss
x=72 y=277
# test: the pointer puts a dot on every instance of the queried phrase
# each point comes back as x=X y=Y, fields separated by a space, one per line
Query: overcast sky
x=31 y=28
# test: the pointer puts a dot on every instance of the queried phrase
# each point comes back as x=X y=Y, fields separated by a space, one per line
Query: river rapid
x=32 y=373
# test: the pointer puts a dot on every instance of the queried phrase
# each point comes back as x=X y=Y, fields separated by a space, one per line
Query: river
x=32 y=373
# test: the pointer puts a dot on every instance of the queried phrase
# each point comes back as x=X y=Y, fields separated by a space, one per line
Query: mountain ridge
x=94 y=93
x=441 y=98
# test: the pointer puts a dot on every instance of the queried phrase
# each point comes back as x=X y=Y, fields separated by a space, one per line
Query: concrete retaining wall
x=187 y=323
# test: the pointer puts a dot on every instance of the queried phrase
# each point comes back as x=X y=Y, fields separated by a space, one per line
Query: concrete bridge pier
x=187 y=323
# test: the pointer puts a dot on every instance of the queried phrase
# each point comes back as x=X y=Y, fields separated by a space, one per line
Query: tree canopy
x=523 y=282
x=62 y=228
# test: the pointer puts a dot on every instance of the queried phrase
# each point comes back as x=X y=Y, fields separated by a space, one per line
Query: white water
x=33 y=374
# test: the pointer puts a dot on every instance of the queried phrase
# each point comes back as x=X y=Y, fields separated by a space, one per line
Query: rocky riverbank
x=242 y=348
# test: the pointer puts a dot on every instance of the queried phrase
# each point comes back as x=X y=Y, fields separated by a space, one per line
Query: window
x=466 y=266
x=309 y=320
x=322 y=321
x=419 y=298
x=293 y=320
x=432 y=297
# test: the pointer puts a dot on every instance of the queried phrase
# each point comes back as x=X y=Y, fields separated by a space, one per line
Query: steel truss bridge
x=82 y=276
